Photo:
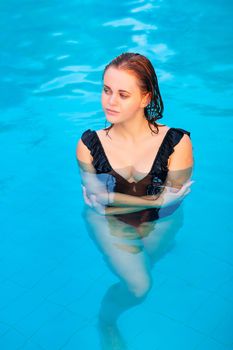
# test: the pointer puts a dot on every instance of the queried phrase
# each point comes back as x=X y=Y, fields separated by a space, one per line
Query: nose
x=112 y=100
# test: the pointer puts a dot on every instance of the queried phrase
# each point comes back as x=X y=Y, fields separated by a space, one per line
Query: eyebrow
x=119 y=90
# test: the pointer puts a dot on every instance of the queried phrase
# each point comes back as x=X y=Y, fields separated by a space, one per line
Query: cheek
x=132 y=103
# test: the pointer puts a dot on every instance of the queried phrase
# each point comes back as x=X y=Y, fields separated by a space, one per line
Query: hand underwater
x=92 y=202
x=171 y=195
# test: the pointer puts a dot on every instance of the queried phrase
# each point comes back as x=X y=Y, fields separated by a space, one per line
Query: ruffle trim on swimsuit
x=172 y=138
x=100 y=162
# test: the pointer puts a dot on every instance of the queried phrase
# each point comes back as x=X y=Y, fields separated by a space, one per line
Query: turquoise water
x=52 y=276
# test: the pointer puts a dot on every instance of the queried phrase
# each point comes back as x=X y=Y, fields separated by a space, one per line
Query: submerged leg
x=122 y=250
x=162 y=235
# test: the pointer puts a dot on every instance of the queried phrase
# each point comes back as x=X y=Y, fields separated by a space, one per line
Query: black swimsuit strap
x=102 y=165
x=167 y=148
x=100 y=161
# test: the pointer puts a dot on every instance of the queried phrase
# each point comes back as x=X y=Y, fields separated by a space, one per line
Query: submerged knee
x=140 y=287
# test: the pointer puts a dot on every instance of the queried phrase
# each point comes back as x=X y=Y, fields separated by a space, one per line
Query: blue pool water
x=52 y=276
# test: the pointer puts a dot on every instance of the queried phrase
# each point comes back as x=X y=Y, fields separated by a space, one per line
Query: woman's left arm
x=180 y=166
x=180 y=163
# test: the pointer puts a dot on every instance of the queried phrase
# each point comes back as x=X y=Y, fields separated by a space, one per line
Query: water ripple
x=137 y=25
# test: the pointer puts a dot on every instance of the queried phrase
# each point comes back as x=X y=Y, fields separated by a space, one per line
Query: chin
x=112 y=118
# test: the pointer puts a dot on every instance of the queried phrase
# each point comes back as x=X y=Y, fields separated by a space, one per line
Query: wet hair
x=142 y=68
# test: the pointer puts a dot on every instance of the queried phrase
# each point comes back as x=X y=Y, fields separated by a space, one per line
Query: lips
x=111 y=110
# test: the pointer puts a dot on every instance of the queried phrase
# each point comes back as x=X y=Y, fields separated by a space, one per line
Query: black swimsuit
x=148 y=185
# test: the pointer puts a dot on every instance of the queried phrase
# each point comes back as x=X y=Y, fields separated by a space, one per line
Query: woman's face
x=121 y=96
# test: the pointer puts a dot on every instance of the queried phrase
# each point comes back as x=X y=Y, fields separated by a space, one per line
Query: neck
x=133 y=129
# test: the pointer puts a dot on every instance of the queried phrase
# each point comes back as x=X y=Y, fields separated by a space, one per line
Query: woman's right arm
x=95 y=187
x=123 y=202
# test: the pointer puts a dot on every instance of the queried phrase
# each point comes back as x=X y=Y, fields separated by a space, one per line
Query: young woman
x=135 y=175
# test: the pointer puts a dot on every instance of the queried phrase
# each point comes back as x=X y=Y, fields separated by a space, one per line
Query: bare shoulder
x=162 y=129
x=185 y=143
x=101 y=132
x=83 y=154
x=182 y=157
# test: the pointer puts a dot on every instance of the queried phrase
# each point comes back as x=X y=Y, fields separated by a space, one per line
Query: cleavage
x=130 y=174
